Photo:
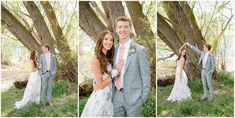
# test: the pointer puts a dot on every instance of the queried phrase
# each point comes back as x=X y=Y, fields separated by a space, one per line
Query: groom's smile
x=123 y=29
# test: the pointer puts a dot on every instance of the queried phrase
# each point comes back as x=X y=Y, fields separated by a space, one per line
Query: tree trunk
x=192 y=20
x=140 y=21
x=173 y=20
x=61 y=42
x=89 y=21
x=113 y=9
x=181 y=26
x=40 y=24
x=68 y=65
x=98 y=11
x=167 y=34
x=19 y=30
x=183 y=21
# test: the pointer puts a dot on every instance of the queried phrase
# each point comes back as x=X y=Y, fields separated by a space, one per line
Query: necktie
x=119 y=67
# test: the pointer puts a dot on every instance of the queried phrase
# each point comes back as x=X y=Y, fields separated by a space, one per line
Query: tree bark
x=173 y=35
x=89 y=21
x=19 y=30
x=113 y=9
x=61 y=42
x=167 y=34
x=40 y=24
x=200 y=40
x=140 y=21
x=173 y=20
x=183 y=21
x=68 y=63
x=98 y=11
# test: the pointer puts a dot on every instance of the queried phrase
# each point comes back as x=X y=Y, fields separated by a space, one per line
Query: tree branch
x=164 y=58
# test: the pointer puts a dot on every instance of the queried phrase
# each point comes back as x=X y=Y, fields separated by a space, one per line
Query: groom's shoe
x=204 y=98
x=210 y=99
x=50 y=104
x=42 y=104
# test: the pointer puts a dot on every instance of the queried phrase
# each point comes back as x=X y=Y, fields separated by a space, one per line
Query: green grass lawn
x=148 y=109
x=61 y=89
x=222 y=105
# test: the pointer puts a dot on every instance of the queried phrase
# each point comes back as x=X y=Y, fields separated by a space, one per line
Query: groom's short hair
x=123 y=18
x=46 y=46
x=208 y=46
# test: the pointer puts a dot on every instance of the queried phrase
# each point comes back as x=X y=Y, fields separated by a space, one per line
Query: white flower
x=114 y=73
x=109 y=68
x=132 y=50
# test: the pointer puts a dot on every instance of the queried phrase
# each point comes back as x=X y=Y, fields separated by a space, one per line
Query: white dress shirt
x=125 y=54
x=48 y=59
x=204 y=59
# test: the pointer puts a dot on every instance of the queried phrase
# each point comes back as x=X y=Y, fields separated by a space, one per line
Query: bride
x=100 y=102
x=180 y=91
x=32 y=90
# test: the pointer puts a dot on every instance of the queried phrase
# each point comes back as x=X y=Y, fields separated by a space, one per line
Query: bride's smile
x=108 y=42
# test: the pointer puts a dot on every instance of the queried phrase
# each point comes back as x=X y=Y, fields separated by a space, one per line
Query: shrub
x=149 y=107
x=225 y=78
x=60 y=88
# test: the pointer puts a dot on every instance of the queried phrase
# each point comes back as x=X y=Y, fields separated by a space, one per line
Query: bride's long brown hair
x=34 y=58
x=104 y=59
x=185 y=57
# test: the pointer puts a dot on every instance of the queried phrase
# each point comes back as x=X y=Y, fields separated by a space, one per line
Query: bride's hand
x=95 y=86
x=187 y=44
x=114 y=73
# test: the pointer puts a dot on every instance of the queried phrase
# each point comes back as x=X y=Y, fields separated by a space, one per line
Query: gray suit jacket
x=136 y=78
x=210 y=62
x=43 y=64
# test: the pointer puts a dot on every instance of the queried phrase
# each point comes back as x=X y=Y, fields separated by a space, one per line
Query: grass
x=148 y=109
x=61 y=89
x=221 y=106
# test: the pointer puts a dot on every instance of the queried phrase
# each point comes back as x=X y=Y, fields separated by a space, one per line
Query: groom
x=131 y=87
x=207 y=65
x=48 y=70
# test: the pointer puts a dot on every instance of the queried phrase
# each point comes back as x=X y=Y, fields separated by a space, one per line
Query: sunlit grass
x=222 y=105
x=60 y=90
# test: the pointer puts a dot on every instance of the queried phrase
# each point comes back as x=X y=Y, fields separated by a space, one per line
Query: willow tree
x=178 y=25
x=93 y=20
x=40 y=32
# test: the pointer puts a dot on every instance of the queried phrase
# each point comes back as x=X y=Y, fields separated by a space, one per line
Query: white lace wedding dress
x=180 y=91
x=32 y=91
x=99 y=104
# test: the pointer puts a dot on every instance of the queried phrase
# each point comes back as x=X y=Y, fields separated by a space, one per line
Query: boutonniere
x=132 y=50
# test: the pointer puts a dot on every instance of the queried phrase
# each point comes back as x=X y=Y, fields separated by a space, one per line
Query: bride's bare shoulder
x=95 y=60
x=95 y=64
